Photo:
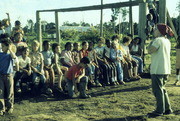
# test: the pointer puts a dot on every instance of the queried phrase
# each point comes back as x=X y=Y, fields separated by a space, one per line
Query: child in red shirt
x=76 y=79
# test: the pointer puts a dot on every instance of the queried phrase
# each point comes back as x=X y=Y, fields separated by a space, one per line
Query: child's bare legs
x=65 y=69
x=60 y=74
x=177 y=76
x=51 y=77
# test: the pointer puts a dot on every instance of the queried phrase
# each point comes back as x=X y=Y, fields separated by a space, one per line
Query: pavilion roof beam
x=97 y=7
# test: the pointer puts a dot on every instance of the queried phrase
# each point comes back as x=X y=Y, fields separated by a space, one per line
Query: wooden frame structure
x=142 y=16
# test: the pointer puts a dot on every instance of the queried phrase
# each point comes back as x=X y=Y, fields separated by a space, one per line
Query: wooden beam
x=97 y=7
x=162 y=11
x=39 y=31
x=101 y=21
x=142 y=24
x=131 y=29
x=57 y=27
x=171 y=25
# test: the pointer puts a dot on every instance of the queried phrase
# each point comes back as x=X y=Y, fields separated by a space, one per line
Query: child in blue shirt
x=116 y=55
x=6 y=77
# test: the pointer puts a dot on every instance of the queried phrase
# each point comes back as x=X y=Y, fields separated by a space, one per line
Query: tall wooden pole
x=39 y=31
x=57 y=27
x=131 y=29
x=162 y=11
x=142 y=24
x=101 y=21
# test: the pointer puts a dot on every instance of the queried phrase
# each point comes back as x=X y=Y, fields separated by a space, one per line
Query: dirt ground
x=130 y=102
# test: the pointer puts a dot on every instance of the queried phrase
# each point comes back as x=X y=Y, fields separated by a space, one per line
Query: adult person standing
x=160 y=68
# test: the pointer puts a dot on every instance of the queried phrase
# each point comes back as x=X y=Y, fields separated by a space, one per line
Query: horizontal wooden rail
x=97 y=7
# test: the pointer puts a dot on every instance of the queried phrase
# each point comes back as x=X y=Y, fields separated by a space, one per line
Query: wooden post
x=101 y=21
x=39 y=31
x=142 y=24
x=131 y=29
x=169 y=20
x=57 y=27
x=162 y=11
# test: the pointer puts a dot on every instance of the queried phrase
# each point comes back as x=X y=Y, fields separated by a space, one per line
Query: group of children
x=74 y=69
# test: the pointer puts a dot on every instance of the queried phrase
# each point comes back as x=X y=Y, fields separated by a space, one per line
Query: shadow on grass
x=100 y=93
x=128 y=118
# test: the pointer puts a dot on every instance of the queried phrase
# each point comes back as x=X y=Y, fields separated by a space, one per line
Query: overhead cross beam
x=97 y=7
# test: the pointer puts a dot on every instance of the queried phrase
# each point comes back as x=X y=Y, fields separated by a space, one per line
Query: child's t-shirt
x=48 y=56
x=23 y=63
x=99 y=51
x=74 y=72
x=107 y=52
x=6 y=63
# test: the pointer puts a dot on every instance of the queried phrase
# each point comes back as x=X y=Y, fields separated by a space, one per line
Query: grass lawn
x=130 y=102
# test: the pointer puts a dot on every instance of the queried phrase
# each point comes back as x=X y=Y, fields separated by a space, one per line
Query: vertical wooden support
x=142 y=21
x=169 y=20
x=57 y=27
x=162 y=11
x=131 y=29
x=142 y=24
x=101 y=21
x=39 y=31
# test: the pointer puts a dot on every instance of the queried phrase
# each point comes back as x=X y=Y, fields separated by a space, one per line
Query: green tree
x=114 y=16
x=124 y=13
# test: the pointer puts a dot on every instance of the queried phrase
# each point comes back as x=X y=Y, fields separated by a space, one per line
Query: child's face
x=135 y=41
x=18 y=37
x=4 y=48
x=35 y=47
x=47 y=46
x=57 y=49
x=127 y=43
x=100 y=43
x=25 y=53
x=85 y=46
x=76 y=47
x=91 y=45
x=108 y=44
x=114 y=46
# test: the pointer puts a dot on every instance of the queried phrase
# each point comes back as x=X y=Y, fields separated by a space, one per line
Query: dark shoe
x=113 y=84
x=117 y=83
x=85 y=96
x=98 y=85
x=167 y=112
x=126 y=80
x=9 y=111
x=121 y=82
x=154 y=114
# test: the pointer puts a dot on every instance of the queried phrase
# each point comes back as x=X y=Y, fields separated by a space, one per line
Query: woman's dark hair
x=108 y=41
x=83 y=43
x=45 y=42
x=24 y=49
x=54 y=45
x=67 y=44
x=85 y=60
x=115 y=37
x=126 y=39
x=17 y=22
x=75 y=44
x=6 y=41
x=138 y=38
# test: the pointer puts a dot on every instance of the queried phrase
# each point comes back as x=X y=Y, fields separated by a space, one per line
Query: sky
x=26 y=9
